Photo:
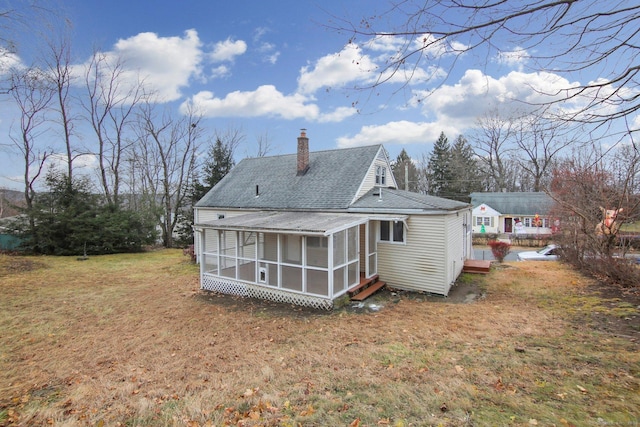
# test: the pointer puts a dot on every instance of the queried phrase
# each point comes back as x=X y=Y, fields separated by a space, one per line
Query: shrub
x=499 y=249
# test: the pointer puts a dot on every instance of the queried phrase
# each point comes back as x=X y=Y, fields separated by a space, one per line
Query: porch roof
x=318 y=223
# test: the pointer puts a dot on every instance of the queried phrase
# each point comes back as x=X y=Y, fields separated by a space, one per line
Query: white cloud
x=336 y=70
x=476 y=93
x=393 y=47
x=227 y=50
x=264 y=101
x=354 y=65
x=87 y=163
x=166 y=64
x=514 y=58
x=397 y=132
x=220 y=72
x=8 y=61
x=385 y=43
x=268 y=52
x=337 y=115
x=453 y=109
x=272 y=59
x=259 y=32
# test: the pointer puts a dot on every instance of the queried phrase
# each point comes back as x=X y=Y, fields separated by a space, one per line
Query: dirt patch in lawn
x=131 y=340
x=17 y=264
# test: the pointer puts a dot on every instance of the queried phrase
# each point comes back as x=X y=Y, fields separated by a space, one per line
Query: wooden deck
x=365 y=288
x=476 y=266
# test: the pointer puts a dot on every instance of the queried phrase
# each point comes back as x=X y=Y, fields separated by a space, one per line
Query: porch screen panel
x=317 y=251
x=291 y=249
x=248 y=245
x=352 y=244
x=373 y=233
x=353 y=268
x=228 y=267
x=246 y=256
x=354 y=276
x=339 y=283
x=317 y=282
x=210 y=263
x=291 y=277
x=339 y=250
x=210 y=241
x=210 y=255
x=228 y=243
x=269 y=247
x=373 y=256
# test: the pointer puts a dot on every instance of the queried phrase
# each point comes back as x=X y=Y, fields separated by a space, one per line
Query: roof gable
x=485 y=210
x=331 y=182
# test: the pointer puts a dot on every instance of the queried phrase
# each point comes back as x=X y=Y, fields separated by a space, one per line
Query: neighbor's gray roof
x=332 y=181
x=515 y=203
x=393 y=200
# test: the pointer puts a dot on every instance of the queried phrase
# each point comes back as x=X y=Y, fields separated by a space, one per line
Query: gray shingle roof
x=392 y=200
x=515 y=203
x=331 y=182
x=301 y=222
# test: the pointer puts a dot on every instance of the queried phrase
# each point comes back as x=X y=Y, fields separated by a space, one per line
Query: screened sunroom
x=299 y=258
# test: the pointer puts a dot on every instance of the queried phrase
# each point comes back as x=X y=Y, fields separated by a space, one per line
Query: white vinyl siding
x=370 y=179
x=419 y=265
x=455 y=248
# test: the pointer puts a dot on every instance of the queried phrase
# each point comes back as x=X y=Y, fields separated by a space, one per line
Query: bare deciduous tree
x=538 y=143
x=263 y=143
x=166 y=158
x=110 y=105
x=492 y=144
x=57 y=60
x=33 y=95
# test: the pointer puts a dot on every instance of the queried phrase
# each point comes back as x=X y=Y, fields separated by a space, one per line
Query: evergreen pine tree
x=439 y=168
x=71 y=219
x=404 y=168
x=465 y=171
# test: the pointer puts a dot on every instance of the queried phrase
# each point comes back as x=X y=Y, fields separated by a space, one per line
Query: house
x=305 y=228
x=519 y=213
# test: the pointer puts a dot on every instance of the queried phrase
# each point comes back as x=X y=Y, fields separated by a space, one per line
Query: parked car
x=548 y=253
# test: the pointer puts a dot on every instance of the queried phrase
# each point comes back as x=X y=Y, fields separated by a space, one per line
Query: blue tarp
x=9 y=242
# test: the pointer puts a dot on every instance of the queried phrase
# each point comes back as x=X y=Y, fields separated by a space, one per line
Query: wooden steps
x=366 y=288
x=372 y=289
x=476 y=266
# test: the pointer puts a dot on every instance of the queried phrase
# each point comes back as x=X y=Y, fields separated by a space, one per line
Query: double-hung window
x=392 y=231
x=381 y=175
x=484 y=220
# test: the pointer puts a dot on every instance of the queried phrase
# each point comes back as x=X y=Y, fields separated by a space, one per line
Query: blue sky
x=271 y=68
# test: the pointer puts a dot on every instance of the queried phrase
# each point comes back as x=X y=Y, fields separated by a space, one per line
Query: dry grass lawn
x=130 y=340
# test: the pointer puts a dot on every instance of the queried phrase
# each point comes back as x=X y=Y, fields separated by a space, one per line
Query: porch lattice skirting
x=232 y=287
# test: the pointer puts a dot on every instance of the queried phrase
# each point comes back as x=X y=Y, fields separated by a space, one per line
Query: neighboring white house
x=512 y=213
x=304 y=228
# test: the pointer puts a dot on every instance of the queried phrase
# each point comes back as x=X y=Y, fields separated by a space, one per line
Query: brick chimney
x=303 y=153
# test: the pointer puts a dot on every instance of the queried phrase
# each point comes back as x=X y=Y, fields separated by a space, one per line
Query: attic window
x=381 y=175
